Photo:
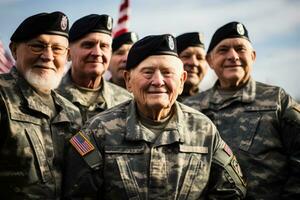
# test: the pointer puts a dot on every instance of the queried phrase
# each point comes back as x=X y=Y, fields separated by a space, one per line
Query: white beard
x=44 y=82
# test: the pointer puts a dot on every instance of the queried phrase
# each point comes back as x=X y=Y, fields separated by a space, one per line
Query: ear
x=69 y=55
x=13 y=49
x=182 y=80
x=253 y=55
x=126 y=75
x=209 y=60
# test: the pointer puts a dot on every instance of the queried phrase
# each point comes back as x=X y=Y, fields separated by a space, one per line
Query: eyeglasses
x=39 y=48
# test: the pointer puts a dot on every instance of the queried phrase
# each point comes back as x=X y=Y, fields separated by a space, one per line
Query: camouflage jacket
x=261 y=123
x=109 y=96
x=32 y=145
x=188 y=160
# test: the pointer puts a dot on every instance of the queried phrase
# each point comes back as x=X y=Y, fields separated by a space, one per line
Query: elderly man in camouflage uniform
x=120 y=48
x=35 y=122
x=260 y=122
x=192 y=53
x=152 y=147
x=90 y=52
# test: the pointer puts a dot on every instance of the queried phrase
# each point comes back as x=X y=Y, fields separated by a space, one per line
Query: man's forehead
x=95 y=36
x=49 y=37
x=234 y=41
x=161 y=61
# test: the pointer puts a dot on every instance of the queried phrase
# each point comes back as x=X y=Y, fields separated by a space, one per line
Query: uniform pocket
x=257 y=129
x=122 y=159
x=195 y=171
x=39 y=151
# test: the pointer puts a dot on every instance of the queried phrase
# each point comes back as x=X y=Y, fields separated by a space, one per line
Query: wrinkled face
x=41 y=60
x=195 y=64
x=118 y=63
x=232 y=60
x=90 y=55
x=156 y=82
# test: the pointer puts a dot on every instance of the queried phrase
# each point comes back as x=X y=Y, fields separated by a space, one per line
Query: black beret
x=90 y=24
x=55 y=23
x=151 y=45
x=192 y=39
x=125 y=38
x=230 y=30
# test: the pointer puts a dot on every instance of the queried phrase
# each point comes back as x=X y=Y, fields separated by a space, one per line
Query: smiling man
x=35 y=122
x=120 y=48
x=260 y=122
x=192 y=53
x=152 y=147
x=90 y=53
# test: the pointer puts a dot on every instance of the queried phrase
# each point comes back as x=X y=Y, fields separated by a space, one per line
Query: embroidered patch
x=81 y=144
x=227 y=150
x=236 y=167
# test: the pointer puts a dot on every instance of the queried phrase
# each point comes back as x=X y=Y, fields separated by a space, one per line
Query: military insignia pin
x=133 y=37
x=171 y=43
x=109 y=23
x=201 y=38
x=64 y=23
x=240 y=29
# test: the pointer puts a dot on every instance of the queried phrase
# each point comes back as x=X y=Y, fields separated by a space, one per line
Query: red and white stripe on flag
x=5 y=60
x=123 y=20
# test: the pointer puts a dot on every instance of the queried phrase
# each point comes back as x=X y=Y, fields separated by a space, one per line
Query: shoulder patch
x=297 y=107
x=227 y=150
x=81 y=143
x=236 y=167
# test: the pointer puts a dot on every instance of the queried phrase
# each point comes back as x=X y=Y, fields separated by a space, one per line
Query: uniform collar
x=173 y=131
x=246 y=94
x=76 y=96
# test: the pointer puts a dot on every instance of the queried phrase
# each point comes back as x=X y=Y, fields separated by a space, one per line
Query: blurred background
x=274 y=27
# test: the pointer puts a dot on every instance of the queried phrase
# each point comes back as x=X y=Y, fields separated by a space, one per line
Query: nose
x=96 y=51
x=233 y=55
x=47 y=54
x=157 y=79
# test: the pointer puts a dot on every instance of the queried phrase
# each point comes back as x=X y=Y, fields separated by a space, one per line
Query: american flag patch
x=81 y=143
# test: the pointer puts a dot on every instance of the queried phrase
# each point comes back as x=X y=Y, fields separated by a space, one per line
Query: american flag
x=6 y=61
x=81 y=143
x=123 y=20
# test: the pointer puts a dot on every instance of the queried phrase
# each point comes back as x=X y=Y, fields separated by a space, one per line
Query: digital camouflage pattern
x=109 y=96
x=261 y=123
x=32 y=145
x=188 y=160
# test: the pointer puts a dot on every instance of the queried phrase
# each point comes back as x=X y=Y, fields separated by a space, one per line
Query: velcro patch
x=227 y=150
x=297 y=107
x=81 y=144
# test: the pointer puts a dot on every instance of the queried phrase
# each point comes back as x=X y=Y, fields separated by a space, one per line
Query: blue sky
x=273 y=25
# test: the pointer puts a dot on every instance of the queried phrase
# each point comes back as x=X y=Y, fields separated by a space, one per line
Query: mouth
x=44 y=67
x=232 y=66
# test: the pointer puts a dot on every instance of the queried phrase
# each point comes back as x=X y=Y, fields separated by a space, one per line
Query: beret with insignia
x=230 y=30
x=90 y=24
x=192 y=39
x=55 y=23
x=125 y=38
x=151 y=45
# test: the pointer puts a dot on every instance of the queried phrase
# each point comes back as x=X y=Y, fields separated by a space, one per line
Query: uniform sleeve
x=226 y=179
x=3 y=121
x=82 y=174
x=290 y=133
